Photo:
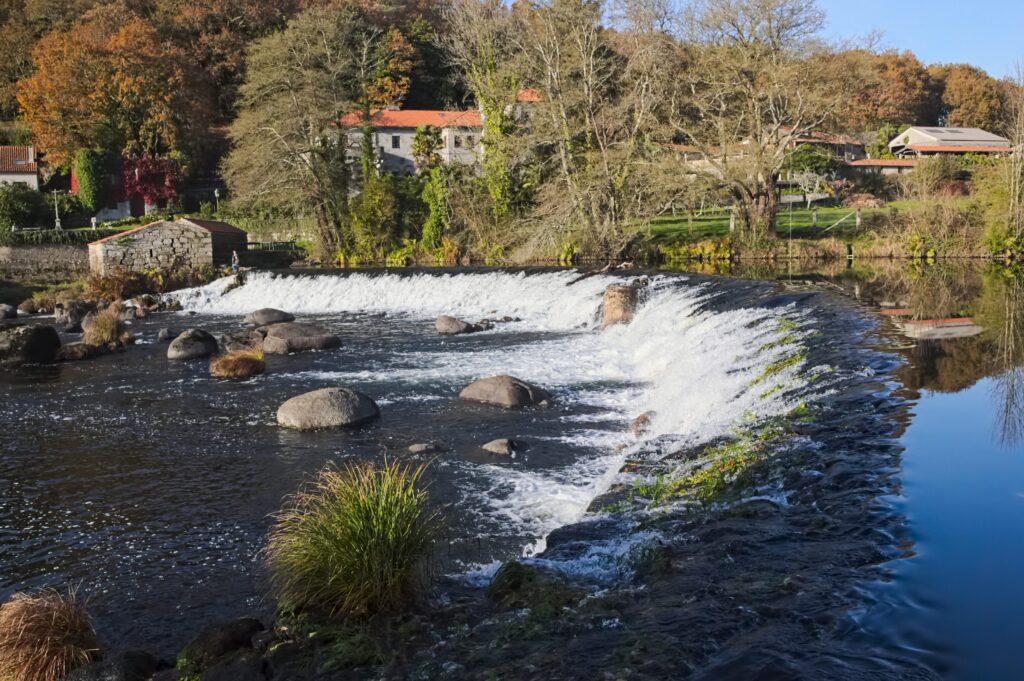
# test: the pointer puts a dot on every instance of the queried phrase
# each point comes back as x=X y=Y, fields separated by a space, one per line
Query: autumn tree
x=111 y=82
x=970 y=98
x=746 y=90
x=889 y=87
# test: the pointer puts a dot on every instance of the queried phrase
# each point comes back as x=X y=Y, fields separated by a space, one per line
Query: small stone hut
x=185 y=242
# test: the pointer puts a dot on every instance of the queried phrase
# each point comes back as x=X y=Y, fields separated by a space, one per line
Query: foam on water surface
x=700 y=371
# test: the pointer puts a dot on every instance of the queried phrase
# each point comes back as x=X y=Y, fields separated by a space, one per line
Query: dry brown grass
x=107 y=328
x=44 y=635
x=238 y=364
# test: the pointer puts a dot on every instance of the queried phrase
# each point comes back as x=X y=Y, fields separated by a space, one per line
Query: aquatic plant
x=107 y=328
x=44 y=635
x=238 y=364
x=353 y=541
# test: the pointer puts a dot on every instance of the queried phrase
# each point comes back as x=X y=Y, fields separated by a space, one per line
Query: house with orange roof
x=18 y=164
x=394 y=130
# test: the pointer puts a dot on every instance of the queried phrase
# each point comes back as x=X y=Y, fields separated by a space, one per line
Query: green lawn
x=676 y=229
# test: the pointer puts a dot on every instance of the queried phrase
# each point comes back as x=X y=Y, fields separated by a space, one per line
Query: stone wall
x=163 y=244
x=43 y=263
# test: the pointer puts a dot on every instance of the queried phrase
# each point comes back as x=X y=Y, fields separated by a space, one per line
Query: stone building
x=394 y=131
x=185 y=242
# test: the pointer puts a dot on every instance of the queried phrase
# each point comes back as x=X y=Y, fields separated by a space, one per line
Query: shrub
x=121 y=284
x=238 y=364
x=21 y=206
x=44 y=635
x=353 y=541
x=107 y=328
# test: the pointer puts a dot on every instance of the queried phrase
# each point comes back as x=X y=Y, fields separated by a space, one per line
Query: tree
x=747 y=90
x=480 y=42
x=810 y=157
x=970 y=98
x=288 y=149
x=426 y=142
x=887 y=88
x=92 y=171
x=20 y=206
x=112 y=82
x=598 y=97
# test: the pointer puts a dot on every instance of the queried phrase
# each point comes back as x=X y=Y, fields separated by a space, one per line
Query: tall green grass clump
x=354 y=541
x=44 y=635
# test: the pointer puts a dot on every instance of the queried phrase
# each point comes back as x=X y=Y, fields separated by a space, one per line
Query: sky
x=985 y=33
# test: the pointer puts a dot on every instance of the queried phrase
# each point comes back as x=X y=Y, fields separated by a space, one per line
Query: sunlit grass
x=44 y=635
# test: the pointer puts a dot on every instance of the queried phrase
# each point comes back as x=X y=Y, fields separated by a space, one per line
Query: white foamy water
x=700 y=372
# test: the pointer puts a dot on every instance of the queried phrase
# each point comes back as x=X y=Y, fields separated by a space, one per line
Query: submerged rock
x=74 y=352
x=28 y=344
x=450 y=326
x=130 y=665
x=505 y=391
x=288 y=337
x=327 y=408
x=502 y=446
x=164 y=335
x=641 y=424
x=192 y=344
x=268 y=315
x=517 y=585
x=424 y=448
x=217 y=641
x=8 y=311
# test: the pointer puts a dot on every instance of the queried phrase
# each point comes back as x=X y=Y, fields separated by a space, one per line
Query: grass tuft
x=107 y=328
x=44 y=635
x=239 y=364
x=353 y=541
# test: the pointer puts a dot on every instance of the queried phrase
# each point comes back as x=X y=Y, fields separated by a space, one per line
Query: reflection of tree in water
x=1001 y=312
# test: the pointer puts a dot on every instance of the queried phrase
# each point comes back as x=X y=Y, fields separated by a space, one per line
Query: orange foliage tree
x=112 y=82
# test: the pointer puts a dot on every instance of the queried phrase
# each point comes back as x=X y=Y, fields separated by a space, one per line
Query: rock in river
x=505 y=391
x=130 y=665
x=294 y=337
x=268 y=315
x=8 y=311
x=70 y=315
x=192 y=344
x=327 y=408
x=450 y=326
x=28 y=344
x=501 y=446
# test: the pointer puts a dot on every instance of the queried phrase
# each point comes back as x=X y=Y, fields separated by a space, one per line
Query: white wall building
x=927 y=141
x=393 y=132
x=18 y=164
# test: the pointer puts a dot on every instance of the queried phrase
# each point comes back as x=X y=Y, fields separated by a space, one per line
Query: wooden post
x=814 y=217
x=732 y=219
x=858 y=217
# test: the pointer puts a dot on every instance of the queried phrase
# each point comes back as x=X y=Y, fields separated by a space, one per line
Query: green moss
x=779 y=366
x=351 y=645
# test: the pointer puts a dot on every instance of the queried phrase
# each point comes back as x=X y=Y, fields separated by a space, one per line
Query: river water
x=896 y=510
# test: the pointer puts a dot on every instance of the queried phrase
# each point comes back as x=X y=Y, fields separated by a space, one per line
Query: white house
x=393 y=132
x=926 y=141
x=18 y=164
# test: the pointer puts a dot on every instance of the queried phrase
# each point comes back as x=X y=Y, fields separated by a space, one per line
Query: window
x=458 y=142
x=469 y=141
x=396 y=142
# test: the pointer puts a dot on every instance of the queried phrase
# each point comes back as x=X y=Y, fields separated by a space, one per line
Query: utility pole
x=56 y=211
x=216 y=198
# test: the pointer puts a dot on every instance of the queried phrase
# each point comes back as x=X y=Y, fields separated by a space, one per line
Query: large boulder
x=450 y=326
x=288 y=337
x=69 y=316
x=246 y=339
x=268 y=315
x=192 y=344
x=505 y=391
x=327 y=408
x=217 y=641
x=131 y=665
x=501 y=447
x=28 y=344
x=8 y=311
x=620 y=301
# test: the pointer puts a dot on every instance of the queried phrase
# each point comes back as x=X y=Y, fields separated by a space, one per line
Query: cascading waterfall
x=699 y=371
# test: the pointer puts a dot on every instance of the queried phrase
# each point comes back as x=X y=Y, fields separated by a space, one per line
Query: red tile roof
x=413 y=118
x=528 y=95
x=960 y=149
x=212 y=226
x=17 y=160
x=885 y=162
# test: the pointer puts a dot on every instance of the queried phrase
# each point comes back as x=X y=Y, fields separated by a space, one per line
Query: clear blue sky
x=985 y=33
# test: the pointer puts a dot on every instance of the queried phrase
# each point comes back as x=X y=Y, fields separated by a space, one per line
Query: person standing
x=234 y=262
